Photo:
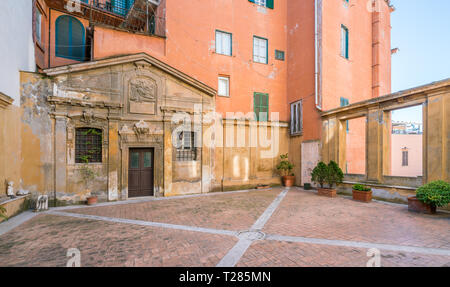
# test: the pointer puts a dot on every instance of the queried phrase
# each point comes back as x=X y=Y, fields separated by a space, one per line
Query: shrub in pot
x=428 y=197
x=334 y=177
x=362 y=193
x=285 y=167
x=330 y=174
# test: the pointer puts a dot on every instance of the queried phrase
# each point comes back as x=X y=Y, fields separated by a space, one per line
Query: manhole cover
x=251 y=235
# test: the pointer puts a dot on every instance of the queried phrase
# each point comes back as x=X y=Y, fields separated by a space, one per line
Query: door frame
x=158 y=169
x=152 y=167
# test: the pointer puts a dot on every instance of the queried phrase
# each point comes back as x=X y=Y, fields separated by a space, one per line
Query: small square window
x=279 y=55
x=224 y=87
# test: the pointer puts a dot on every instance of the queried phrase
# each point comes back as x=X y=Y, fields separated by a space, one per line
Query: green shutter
x=269 y=4
x=261 y=105
x=253 y=1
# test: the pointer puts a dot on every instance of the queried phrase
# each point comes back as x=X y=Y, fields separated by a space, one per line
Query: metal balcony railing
x=133 y=15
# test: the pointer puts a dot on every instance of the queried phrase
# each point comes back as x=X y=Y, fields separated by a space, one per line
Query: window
x=186 y=149
x=404 y=158
x=344 y=41
x=296 y=118
x=223 y=43
x=70 y=42
x=224 y=86
x=261 y=106
x=264 y=3
x=345 y=102
x=38 y=26
x=279 y=55
x=88 y=145
x=260 y=50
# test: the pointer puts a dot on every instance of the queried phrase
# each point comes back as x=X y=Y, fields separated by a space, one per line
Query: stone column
x=60 y=145
x=168 y=146
x=374 y=144
x=113 y=161
x=437 y=133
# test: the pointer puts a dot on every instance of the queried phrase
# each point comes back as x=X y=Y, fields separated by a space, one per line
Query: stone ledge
x=16 y=205
x=5 y=100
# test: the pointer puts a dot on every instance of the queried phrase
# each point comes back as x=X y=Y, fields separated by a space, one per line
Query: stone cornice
x=5 y=100
x=401 y=96
x=140 y=57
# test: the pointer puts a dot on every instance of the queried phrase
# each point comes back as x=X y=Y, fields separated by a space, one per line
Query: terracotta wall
x=413 y=144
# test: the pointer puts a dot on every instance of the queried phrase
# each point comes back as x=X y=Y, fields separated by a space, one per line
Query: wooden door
x=140 y=172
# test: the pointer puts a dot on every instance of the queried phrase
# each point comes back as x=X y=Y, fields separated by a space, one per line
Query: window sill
x=261 y=63
x=223 y=54
x=222 y=96
x=299 y=134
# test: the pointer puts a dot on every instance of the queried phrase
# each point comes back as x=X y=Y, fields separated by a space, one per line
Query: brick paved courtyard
x=288 y=228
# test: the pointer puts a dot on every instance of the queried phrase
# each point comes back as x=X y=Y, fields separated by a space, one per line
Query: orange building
x=293 y=57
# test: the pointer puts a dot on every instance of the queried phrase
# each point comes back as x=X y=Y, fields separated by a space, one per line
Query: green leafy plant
x=285 y=166
x=319 y=174
x=436 y=193
x=3 y=213
x=360 y=187
x=86 y=172
x=335 y=175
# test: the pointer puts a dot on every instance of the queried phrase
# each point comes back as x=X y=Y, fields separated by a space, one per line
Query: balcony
x=138 y=16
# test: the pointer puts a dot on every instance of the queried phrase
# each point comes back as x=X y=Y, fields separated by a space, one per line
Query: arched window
x=70 y=42
x=88 y=145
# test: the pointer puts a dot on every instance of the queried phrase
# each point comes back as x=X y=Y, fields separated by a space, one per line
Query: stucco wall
x=412 y=144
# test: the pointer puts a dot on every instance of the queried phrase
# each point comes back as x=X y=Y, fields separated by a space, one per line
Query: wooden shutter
x=269 y=4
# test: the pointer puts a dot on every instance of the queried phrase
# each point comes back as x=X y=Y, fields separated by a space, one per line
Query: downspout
x=318 y=100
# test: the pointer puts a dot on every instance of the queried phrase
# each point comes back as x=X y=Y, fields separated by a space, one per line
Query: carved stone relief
x=142 y=96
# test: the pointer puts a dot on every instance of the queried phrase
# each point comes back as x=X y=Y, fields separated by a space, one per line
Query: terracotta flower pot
x=92 y=200
x=416 y=205
x=363 y=196
x=327 y=192
x=288 y=180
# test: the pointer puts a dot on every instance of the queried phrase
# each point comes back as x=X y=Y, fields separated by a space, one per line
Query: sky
x=421 y=30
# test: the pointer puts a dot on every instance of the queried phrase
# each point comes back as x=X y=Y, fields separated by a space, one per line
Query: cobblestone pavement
x=287 y=228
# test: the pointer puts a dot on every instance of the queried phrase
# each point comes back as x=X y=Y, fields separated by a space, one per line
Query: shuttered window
x=261 y=106
x=344 y=42
x=260 y=50
x=296 y=118
x=223 y=43
x=70 y=40
x=405 y=158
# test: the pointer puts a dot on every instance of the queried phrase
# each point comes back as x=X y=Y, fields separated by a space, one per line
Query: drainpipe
x=318 y=100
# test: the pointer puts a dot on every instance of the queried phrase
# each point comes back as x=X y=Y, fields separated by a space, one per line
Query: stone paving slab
x=44 y=241
x=292 y=254
x=306 y=214
x=237 y=211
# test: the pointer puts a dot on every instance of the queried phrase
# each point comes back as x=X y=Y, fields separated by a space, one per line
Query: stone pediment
x=141 y=60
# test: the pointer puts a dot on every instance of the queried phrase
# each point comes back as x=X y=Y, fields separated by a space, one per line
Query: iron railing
x=138 y=16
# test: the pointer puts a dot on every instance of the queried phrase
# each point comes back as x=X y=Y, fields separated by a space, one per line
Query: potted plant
x=319 y=176
x=428 y=197
x=362 y=193
x=285 y=167
x=335 y=176
x=87 y=175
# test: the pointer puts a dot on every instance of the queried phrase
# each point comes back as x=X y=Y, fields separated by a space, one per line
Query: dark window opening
x=88 y=145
